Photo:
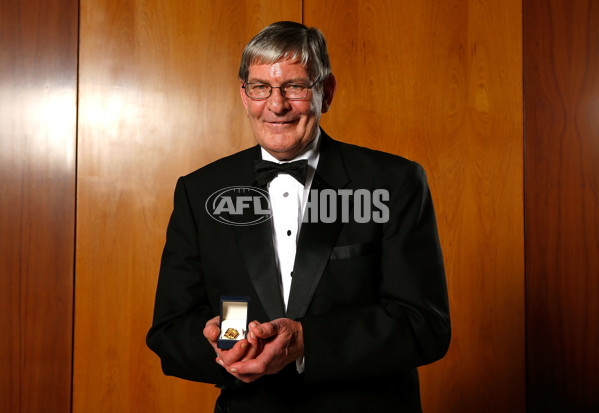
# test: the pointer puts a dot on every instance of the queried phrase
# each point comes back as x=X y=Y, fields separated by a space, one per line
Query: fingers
x=243 y=352
x=251 y=327
x=236 y=353
x=257 y=366
x=224 y=357
x=279 y=327
x=251 y=336
x=212 y=330
x=211 y=333
x=236 y=356
x=255 y=344
x=269 y=347
x=264 y=330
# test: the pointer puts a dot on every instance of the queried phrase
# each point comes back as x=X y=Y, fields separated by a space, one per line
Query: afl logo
x=239 y=205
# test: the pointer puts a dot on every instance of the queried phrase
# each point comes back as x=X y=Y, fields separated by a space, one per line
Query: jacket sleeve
x=182 y=308
x=408 y=325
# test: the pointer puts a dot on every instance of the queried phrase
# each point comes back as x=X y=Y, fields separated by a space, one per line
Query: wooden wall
x=98 y=124
x=159 y=97
x=38 y=86
x=441 y=83
x=562 y=204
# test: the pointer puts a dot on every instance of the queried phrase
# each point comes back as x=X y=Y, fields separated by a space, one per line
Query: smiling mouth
x=282 y=122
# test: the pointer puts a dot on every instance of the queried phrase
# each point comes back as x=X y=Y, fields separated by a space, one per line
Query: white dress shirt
x=288 y=199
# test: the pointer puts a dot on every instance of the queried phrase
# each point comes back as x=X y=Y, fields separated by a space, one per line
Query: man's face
x=281 y=126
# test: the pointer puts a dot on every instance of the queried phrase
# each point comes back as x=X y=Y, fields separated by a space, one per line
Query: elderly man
x=343 y=274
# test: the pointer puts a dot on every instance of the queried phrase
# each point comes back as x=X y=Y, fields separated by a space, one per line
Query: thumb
x=211 y=332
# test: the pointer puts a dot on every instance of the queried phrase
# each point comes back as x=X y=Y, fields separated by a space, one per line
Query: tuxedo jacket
x=371 y=296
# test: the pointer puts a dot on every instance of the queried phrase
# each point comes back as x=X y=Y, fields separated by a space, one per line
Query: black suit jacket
x=371 y=297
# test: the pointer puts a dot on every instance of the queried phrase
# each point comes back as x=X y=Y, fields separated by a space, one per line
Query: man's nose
x=277 y=103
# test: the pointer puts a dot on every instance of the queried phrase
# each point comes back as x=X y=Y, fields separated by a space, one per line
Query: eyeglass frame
x=308 y=87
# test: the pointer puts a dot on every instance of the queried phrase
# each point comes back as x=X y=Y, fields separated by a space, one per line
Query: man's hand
x=242 y=350
x=269 y=347
x=282 y=343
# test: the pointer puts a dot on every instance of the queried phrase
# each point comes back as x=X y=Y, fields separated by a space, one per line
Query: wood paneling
x=438 y=82
x=159 y=98
x=38 y=93
x=561 y=45
x=441 y=83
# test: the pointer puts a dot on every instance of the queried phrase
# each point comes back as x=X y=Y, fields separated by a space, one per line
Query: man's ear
x=329 y=86
x=244 y=97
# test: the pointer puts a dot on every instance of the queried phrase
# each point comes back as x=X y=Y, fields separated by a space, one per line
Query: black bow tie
x=266 y=171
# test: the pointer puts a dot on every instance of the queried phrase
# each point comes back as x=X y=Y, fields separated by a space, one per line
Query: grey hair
x=288 y=40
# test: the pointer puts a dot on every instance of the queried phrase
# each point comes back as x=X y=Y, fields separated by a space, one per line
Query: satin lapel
x=256 y=247
x=316 y=240
x=255 y=244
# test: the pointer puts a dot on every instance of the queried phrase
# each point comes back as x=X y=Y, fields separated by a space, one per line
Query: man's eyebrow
x=294 y=80
x=256 y=80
